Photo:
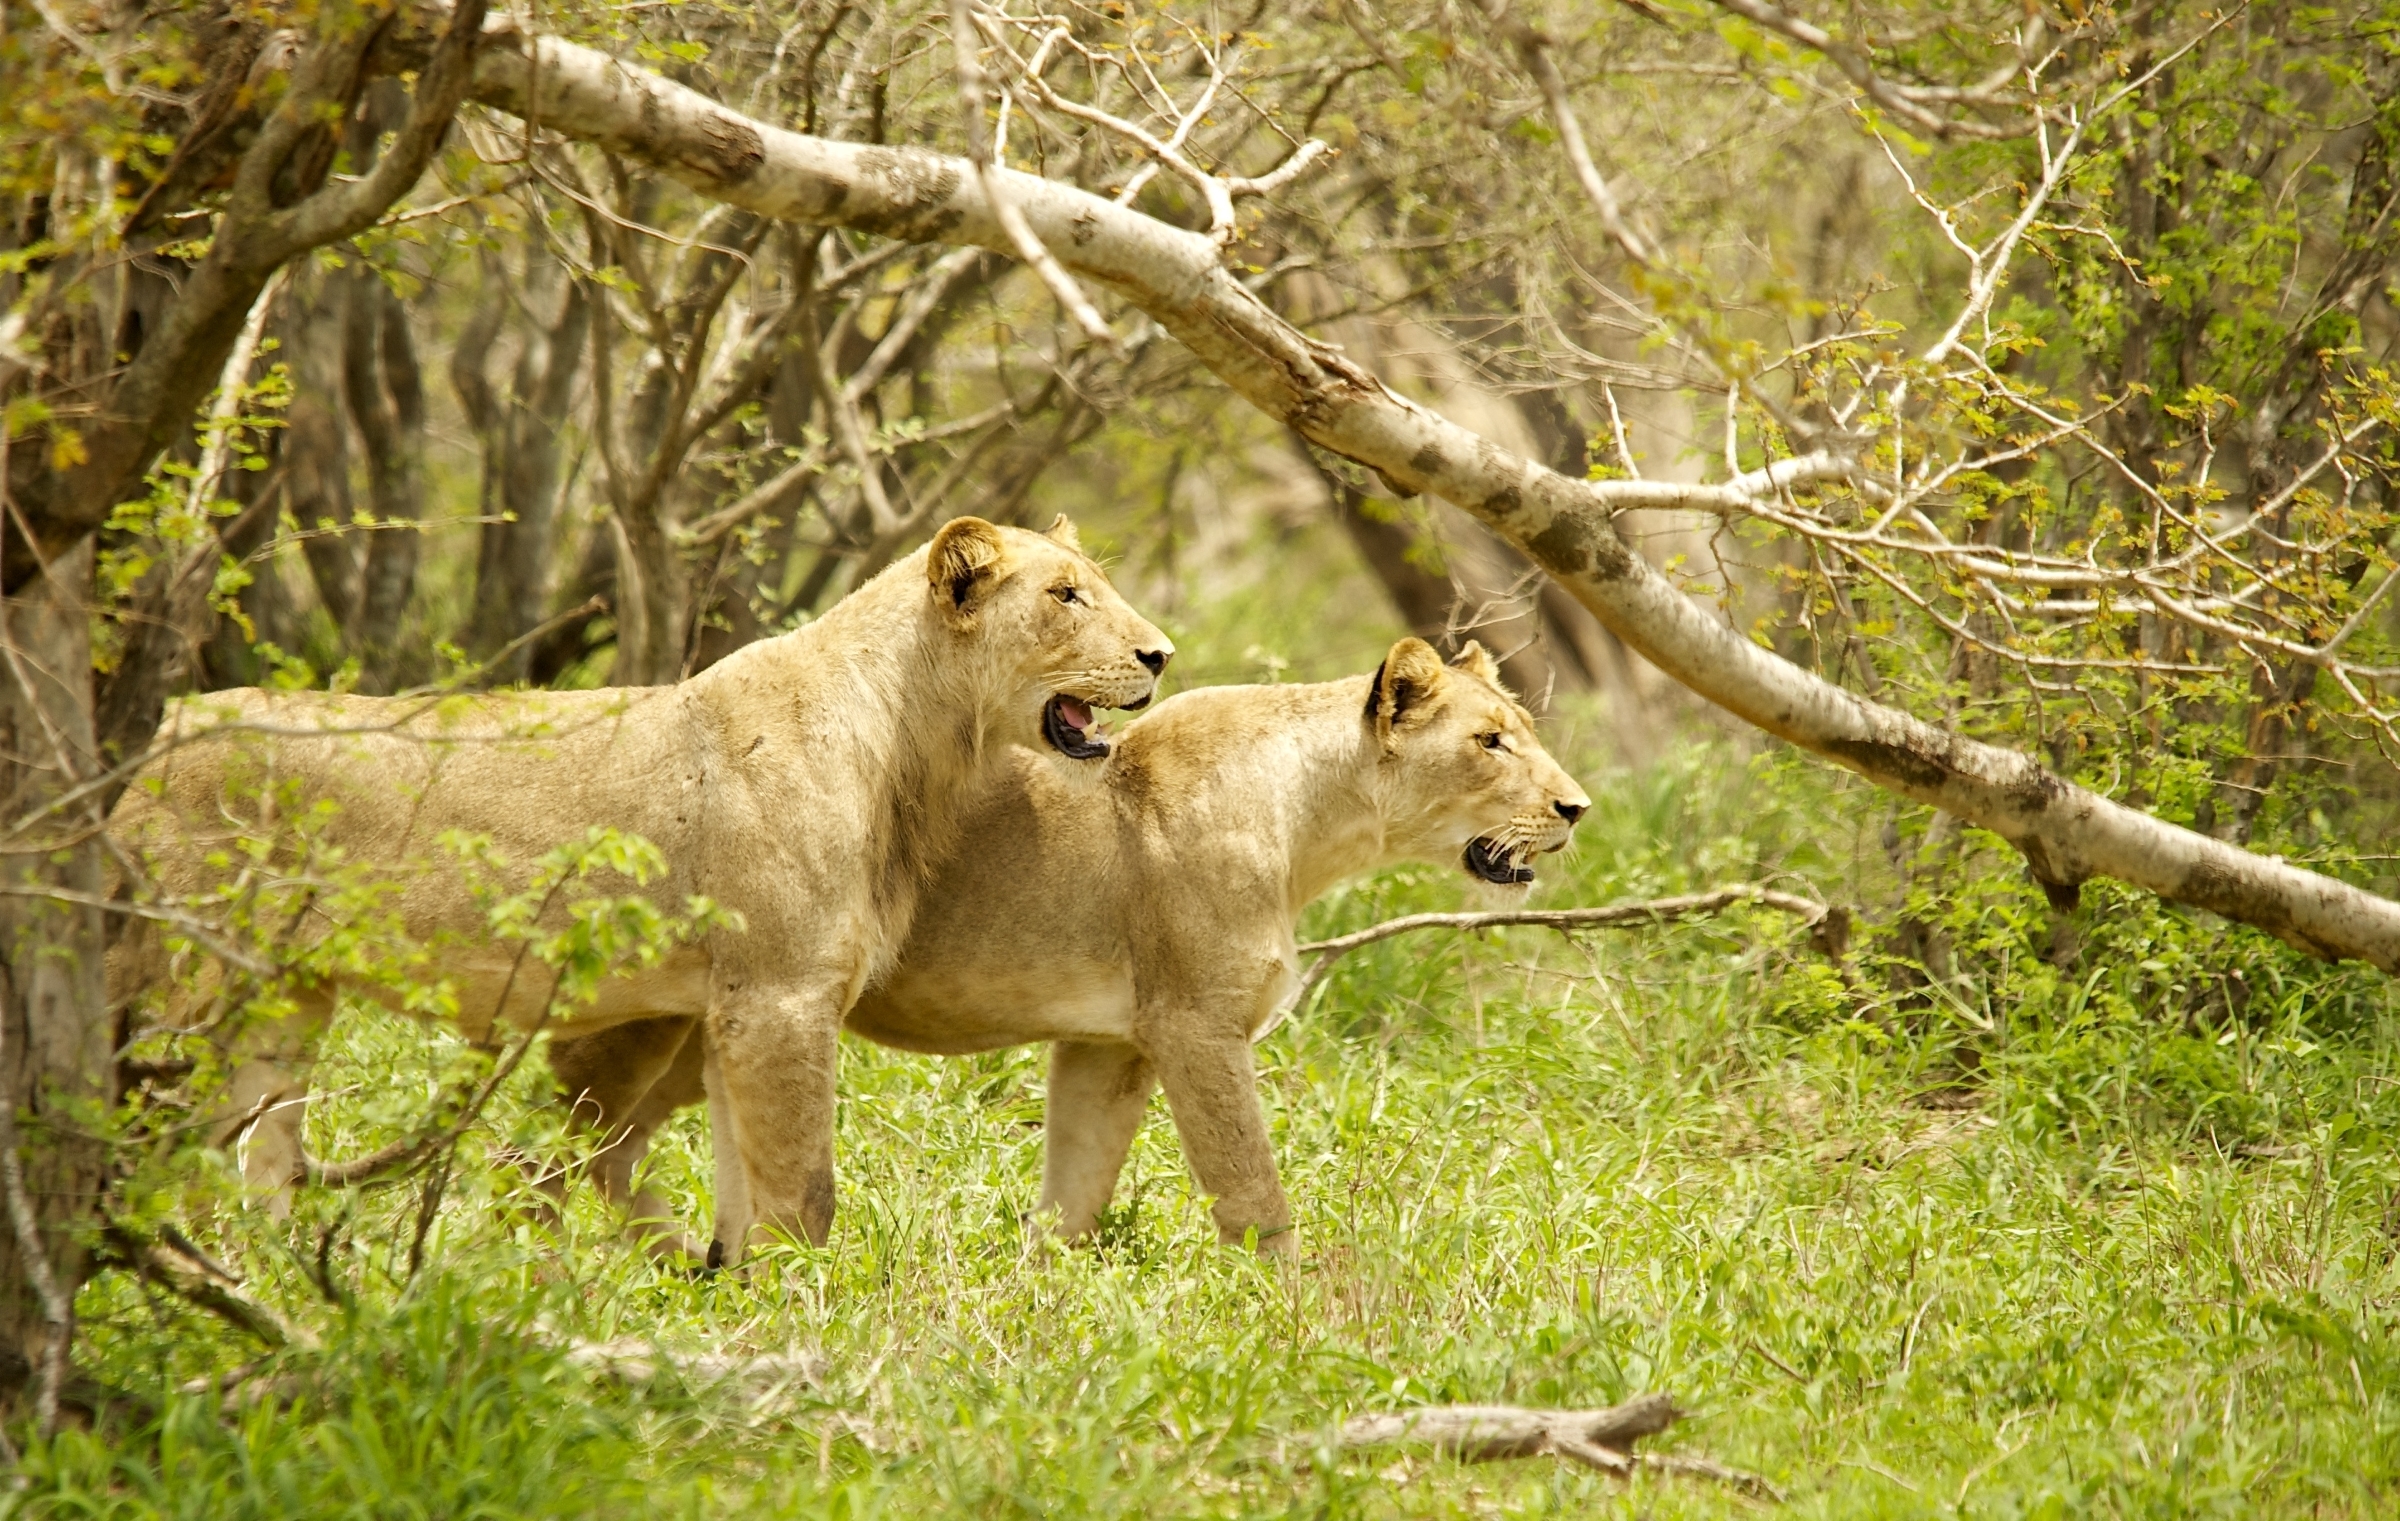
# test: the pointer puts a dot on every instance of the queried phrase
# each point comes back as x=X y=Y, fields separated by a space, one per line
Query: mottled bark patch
x=2224 y=890
x=915 y=200
x=1881 y=760
x=726 y=148
x=2039 y=791
x=1427 y=461
x=1575 y=546
x=2221 y=890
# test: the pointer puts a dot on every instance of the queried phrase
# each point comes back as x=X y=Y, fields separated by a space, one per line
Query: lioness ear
x=1410 y=674
x=1062 y=532
x=963 y=562
x=1475 y=660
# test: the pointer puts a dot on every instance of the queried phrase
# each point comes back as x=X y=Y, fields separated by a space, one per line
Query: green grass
x=2045 y=1241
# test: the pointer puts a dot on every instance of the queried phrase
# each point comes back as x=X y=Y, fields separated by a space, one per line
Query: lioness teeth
x=1067 y=724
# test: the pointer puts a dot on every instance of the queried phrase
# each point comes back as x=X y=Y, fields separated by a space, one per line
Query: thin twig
x=972 y=87
x=1566 y=920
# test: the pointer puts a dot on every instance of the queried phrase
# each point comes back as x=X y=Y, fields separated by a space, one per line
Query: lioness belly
x=492 y=986
x=952 y=1013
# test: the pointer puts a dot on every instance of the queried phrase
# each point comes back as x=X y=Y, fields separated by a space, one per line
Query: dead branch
x=182 y=1269
x=1597 y=1439
x=631 y=1360
x=1025 y=242
x=1910 y=103
x=1829 y=928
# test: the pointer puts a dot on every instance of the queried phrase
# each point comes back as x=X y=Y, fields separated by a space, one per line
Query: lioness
x=805 y=782
x=1140 y=914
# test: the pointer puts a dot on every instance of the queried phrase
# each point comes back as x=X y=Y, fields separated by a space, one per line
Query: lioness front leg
x=1098 y=1091
x=771 y=1062
x=1212 y=1092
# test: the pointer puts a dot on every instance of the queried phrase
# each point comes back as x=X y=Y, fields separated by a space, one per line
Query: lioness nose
x=1156 y=660
x=1569 y=811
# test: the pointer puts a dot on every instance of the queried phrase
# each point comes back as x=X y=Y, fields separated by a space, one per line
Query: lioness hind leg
x=623 y=1083
x=1098 y=1092
x=265 y=1110
x=647 y=1215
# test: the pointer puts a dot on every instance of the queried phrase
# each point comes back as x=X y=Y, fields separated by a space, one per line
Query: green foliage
x=1995 y=1229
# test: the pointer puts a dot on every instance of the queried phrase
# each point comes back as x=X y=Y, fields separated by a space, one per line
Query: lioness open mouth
x=1068 y=724
x=1493 y=863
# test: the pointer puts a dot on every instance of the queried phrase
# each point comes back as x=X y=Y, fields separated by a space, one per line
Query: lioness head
x=1050 y=628
x=1462 y=770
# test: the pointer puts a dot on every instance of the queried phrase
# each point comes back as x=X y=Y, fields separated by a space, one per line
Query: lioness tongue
x=1077 y=714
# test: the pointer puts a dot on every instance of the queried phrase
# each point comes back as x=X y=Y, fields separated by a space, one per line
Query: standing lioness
x=1139 y=914
x=805 y=782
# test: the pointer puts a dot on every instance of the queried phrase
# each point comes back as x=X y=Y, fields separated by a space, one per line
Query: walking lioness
x=1139 y=915
x=805 y=782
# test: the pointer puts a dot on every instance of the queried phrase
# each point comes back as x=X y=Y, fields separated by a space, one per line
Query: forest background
x=2023 y=369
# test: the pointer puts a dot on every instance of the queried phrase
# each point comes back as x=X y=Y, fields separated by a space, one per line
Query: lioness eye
x=1489 y=741
x=1064 y=593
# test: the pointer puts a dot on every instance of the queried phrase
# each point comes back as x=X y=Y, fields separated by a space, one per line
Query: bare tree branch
x=1323 y=954
x=2067 y=833
x=1908 y=103
x=182 y=1269
x=1596 y=1439
x=1023 y=240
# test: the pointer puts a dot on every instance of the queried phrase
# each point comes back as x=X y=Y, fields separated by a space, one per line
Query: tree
x=123 y=357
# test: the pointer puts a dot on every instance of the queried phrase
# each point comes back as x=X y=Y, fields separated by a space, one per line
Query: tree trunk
x=2068 y=834
x=522 y=462
x=135 y=390
x=316 y=452
x=652 y=584
x=54 y=1027
x=386 y=394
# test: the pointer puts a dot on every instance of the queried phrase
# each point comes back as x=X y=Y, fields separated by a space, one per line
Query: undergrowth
x=2001 y=1216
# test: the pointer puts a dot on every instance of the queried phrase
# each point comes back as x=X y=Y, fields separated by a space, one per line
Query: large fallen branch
x=1601 y=1439
x=185 y=1271
x=2067 y=833
x=632 y=1360
x=1829 y=929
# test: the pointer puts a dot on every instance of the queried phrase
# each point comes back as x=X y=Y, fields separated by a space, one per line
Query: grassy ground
x=2110 y=1255
x=2095 y=1221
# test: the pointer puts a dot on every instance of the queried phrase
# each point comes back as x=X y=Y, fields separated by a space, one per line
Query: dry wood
x=1829 y=928
x=185 y=1271
x=2067 y=833
x=632 y=1360
x=1599 y=1439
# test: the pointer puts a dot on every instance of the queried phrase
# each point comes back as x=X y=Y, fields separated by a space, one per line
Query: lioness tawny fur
x=1139 y=915
x=804 y=782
